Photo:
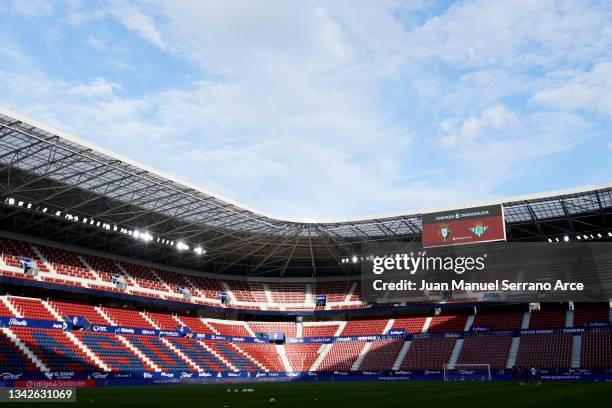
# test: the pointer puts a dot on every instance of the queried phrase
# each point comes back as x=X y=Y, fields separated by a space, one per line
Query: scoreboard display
x=464 y=226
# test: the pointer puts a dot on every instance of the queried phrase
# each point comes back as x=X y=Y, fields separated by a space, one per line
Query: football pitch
x=353 y=395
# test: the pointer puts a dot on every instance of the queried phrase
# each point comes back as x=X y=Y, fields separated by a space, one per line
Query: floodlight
x=199 y=250
x=354 y=259
x=566 y=238
x=181 y=246
x=11 y=201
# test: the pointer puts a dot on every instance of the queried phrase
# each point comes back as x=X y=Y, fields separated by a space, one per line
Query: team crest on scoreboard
x=444 y=231
x=478 y=229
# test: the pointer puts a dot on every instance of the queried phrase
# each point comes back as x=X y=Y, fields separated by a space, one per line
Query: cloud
x=96 y=43
x=518 y=34
x=31 y=8
x=583 y=91
x=495 y=119
x=314 y=109
x=98 y=87
x=135 y=20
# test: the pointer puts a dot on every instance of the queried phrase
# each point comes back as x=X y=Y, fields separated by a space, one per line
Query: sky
x=326 y=109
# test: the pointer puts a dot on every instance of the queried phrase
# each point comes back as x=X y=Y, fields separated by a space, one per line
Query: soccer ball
x=272 y=400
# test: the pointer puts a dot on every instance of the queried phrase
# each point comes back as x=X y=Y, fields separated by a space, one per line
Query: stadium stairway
x=218 y=355
x=192 y=364
x=576 y=351
x=113 y=352
x=13 y=358
x=569 y=318
x=469 y=322
x=150 y=321
x=526 y=320
x=198 y=354
x=280 y=349
x=13 y=311
x=20 y=345
x=105 y=316
x=514 y=348
x=148 y=362
x=321 y=355
x=41 y=257
x=157 y=351
x=233 y=352
x=426 y=324
x=381 y=355
x=401 y=356
x=88 y=352
x=75 y=340
x=324 y=349
x=55 y=350
x=342 y=356
x=237 y=359
x=257 y=363
x=454 y=357
x=361 y=356
x=89 y=267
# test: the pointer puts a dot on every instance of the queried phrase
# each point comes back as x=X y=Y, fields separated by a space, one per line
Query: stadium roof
x=58 y=187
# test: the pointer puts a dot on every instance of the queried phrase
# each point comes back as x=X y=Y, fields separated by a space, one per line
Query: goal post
x=463 y=372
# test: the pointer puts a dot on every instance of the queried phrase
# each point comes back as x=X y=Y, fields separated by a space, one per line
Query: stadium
x=318 y=204
x=114 y=274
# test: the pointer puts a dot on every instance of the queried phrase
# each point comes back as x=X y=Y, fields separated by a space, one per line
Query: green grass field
x=354 y=395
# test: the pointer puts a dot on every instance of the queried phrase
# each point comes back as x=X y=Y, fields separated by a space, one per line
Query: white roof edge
x=185 y=183
x=491 y=201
